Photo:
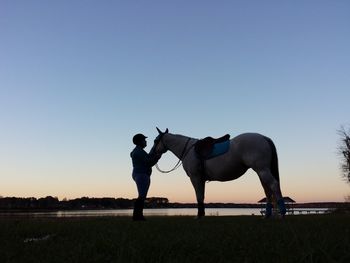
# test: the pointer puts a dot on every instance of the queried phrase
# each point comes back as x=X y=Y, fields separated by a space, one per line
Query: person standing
x=142 y=169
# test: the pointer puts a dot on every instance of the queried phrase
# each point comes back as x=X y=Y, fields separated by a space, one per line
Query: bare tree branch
x=344 y=152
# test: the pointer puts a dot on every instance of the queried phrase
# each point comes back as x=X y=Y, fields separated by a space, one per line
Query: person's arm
x=147 y=159
x=152 y=158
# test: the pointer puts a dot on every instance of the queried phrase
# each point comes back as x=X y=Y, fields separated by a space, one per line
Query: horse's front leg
x=199 y=186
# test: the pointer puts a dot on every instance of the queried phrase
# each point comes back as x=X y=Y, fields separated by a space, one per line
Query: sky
x=79 y=78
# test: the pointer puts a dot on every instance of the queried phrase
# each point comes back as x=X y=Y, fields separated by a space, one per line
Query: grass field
x=313 y=238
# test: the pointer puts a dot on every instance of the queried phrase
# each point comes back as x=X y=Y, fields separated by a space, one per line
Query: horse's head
x=159 y=146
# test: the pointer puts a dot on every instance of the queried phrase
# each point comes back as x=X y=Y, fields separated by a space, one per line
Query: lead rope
x=179 y=163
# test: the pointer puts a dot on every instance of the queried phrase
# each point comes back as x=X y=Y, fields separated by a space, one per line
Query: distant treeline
x=53 y=203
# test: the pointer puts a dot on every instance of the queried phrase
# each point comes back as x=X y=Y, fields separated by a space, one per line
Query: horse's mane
x=183 y=136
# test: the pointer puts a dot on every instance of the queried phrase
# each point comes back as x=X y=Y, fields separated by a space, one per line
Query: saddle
x=204 y=147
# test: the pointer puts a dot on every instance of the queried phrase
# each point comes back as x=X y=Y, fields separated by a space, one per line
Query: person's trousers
x=143 y=182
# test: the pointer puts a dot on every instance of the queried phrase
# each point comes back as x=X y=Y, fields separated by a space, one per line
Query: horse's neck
x=176 y=143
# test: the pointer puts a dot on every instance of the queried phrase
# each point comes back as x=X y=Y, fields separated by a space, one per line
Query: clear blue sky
x=79 y=78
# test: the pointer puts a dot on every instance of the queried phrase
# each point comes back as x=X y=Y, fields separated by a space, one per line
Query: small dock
x=306 y=211
x=292 y=209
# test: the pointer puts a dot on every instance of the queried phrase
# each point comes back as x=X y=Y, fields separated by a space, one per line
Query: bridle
x=182 y=156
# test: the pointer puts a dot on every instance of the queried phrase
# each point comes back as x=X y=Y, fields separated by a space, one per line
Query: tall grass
x=313 y=238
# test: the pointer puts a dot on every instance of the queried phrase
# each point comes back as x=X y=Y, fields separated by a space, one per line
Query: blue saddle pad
x=219 y=149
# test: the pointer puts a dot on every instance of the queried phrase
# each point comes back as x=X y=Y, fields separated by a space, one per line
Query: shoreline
x=315 y=205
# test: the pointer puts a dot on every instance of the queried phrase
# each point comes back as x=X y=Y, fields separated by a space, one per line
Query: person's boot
x=141 y=217
x=138 y=208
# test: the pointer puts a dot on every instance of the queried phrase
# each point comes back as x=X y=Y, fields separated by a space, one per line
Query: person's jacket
x=142 y=161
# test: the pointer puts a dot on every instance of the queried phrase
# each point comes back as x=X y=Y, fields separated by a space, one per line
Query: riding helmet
x=138 y=138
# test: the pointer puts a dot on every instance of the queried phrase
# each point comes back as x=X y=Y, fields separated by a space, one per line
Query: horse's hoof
x=198 y=217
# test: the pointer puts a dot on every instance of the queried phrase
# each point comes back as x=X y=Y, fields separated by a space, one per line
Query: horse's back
x=254 y=149
x=236 y=161
x=250 y=140
x=247 y=150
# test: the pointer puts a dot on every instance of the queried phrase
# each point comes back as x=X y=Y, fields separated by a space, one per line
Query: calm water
x=152 y=212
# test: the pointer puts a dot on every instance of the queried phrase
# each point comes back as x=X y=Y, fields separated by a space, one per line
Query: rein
x=179 y=163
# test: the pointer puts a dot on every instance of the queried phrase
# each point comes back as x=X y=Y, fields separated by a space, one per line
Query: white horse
x=248 y=150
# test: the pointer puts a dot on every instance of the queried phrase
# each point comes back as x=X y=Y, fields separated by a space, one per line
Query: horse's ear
x=159 y=131
x=166 y=131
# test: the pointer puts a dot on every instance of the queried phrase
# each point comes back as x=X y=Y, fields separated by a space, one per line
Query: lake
x=153 y=212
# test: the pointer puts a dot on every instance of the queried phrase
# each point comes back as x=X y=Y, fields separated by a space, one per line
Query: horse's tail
x=274 y=160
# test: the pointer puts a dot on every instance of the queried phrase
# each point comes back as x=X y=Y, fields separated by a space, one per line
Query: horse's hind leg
x=268 y=194
x=272 y=189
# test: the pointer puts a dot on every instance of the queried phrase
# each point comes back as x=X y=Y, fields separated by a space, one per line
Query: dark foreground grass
x=319 y=238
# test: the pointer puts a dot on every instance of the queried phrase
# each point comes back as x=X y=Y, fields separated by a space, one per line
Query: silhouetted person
x=142 y=169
